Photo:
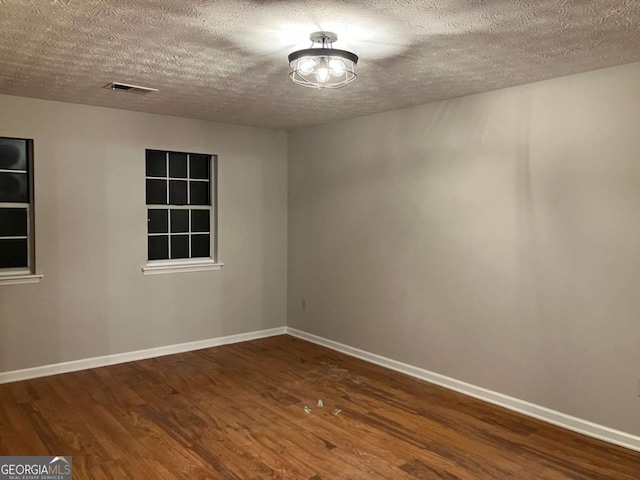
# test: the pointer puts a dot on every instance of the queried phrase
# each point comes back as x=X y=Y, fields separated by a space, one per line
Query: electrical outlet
x=304 y=305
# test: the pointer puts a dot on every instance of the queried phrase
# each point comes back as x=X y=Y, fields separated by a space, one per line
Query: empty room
x=319 y=239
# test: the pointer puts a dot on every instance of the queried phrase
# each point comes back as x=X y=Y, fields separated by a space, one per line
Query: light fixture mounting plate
x=323 y=37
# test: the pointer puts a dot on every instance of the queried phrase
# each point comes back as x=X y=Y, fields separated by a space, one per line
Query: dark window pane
x=179 y=221
x=177 y=192
x=158 y=221
x=199 y=193
x=180 y=246
x=13 y=222
x=159 y=247
x=156 y=164
x=199 y=166
x=200 y=221
x=13 y=253
x=13 y=154
x=14 y=187
x=178 y=165
x=200 y=246
x=156 y=192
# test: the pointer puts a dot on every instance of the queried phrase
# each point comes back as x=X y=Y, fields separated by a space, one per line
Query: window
x=17 y=252
x=181 y=210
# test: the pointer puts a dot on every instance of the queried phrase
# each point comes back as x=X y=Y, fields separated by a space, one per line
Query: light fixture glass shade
x=323 y=66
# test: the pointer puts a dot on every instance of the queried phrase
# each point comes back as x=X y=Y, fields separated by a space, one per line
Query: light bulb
x=337 y=67
x=322 y=74
x=306 y=66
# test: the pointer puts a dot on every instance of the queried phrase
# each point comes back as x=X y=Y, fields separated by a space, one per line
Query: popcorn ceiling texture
x=226 y=60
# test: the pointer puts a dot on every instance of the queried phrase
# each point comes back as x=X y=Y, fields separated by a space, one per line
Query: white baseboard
x=560 y=419
x=94 y=362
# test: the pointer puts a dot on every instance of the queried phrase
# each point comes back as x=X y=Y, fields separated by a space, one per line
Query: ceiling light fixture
x=323 y=66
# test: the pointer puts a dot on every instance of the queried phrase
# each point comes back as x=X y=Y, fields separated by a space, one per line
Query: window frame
x=191 y=264
x=19 y=275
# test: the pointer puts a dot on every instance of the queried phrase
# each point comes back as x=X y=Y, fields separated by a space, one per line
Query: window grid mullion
x=169 y=214
x=189 y=202
x=188 y=181
x=166 y=160
x=13 y=205
x=169 y=232
x=177 y=178
x=190 y=234
x=158 y=206
x=195 y=234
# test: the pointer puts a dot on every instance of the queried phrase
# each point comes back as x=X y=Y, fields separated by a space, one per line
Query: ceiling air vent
x=130 y=88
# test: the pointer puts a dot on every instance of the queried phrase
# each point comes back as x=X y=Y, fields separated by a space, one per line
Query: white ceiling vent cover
x=124 y=87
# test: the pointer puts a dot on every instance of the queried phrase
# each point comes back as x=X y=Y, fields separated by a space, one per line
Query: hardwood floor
x=237 y=412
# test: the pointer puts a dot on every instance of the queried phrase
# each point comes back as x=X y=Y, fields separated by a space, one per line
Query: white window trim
x=172 y=266
x=20 y=279
x=199 y=264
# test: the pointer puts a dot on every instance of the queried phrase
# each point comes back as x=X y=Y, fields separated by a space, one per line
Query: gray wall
x=493 y=238
x=91 y=244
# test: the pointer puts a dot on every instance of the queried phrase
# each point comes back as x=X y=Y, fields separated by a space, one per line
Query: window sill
x=159 y=268
x=20 y=279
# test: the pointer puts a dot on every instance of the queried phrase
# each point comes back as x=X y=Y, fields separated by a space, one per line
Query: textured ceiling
x=226 y=60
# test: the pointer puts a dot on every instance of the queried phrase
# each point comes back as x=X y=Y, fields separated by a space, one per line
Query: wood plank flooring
x=237 y=412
